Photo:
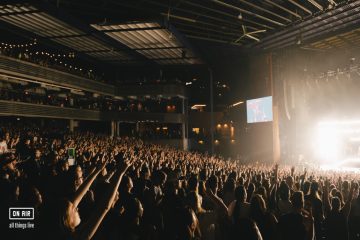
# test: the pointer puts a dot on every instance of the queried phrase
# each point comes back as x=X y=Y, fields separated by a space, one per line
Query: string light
x=8 y=45
x=54 y=56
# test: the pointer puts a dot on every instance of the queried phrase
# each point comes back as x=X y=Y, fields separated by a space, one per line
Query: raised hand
x=101 y=164
x=327 y=184
x=126 y=163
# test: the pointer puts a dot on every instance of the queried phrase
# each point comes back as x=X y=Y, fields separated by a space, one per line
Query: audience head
x=297 y=200
x=240 y=194
x=335 y=204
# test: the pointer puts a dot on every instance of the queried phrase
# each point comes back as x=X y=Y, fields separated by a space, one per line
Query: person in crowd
x=265 y=220
x=314 y=200
x=284 y=204
x=299 y=224
x=239 y=208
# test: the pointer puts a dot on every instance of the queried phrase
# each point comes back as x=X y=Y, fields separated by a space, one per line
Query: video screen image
x=259 y=110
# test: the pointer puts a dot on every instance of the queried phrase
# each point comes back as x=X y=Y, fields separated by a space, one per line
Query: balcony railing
x=162 y=90
x=12 y=108
x=36 y=73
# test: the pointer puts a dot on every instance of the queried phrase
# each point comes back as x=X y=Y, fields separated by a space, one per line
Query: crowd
x=16 y=92
x=122 y=188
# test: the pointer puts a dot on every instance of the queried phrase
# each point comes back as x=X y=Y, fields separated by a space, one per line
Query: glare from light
x=347 y=122
x=327 y=143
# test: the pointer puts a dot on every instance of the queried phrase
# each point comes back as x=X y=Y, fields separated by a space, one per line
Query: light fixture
x=299 y=39
x=240 y=17
x=236 y=104
x=198 y=106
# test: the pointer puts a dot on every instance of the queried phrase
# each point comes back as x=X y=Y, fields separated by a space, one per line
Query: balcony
x=35 y=73
x=27 y=71
x=162 y=90
x=11 y=108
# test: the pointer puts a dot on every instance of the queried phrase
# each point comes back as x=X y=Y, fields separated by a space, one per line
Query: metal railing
x=35 y=73
x=12 y=108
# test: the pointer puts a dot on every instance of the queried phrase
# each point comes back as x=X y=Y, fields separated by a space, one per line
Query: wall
x=256 y=139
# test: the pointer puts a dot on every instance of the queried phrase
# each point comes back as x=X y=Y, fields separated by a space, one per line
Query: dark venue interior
x=180 y=119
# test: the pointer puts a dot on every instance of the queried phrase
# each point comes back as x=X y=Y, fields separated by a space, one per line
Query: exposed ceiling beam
x=219 y=30
x=209 y=39
x=340 y=25
x=316 y=4
x=248 y=12
x=47 y=42
x=335 y=16
x=211 y=35
x=179 y=17
x=333 y=2
x=19 y=13
x=227 y=14
x=301 y=7
x=158 y=48
x=265 y=10
x=196 y=14
x=131 y=29
x=181 y=20
x=61 y=15
x=69 y=36
x=283 y=8
x=220 y=33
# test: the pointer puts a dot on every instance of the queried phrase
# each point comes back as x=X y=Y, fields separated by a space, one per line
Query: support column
x=211 y=111
x=114 y=128
x=72 y=125
x=275 y=122
x=118 y=128
x=184 y=125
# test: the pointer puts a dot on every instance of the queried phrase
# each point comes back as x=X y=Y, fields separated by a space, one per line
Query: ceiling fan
x=249 y=34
